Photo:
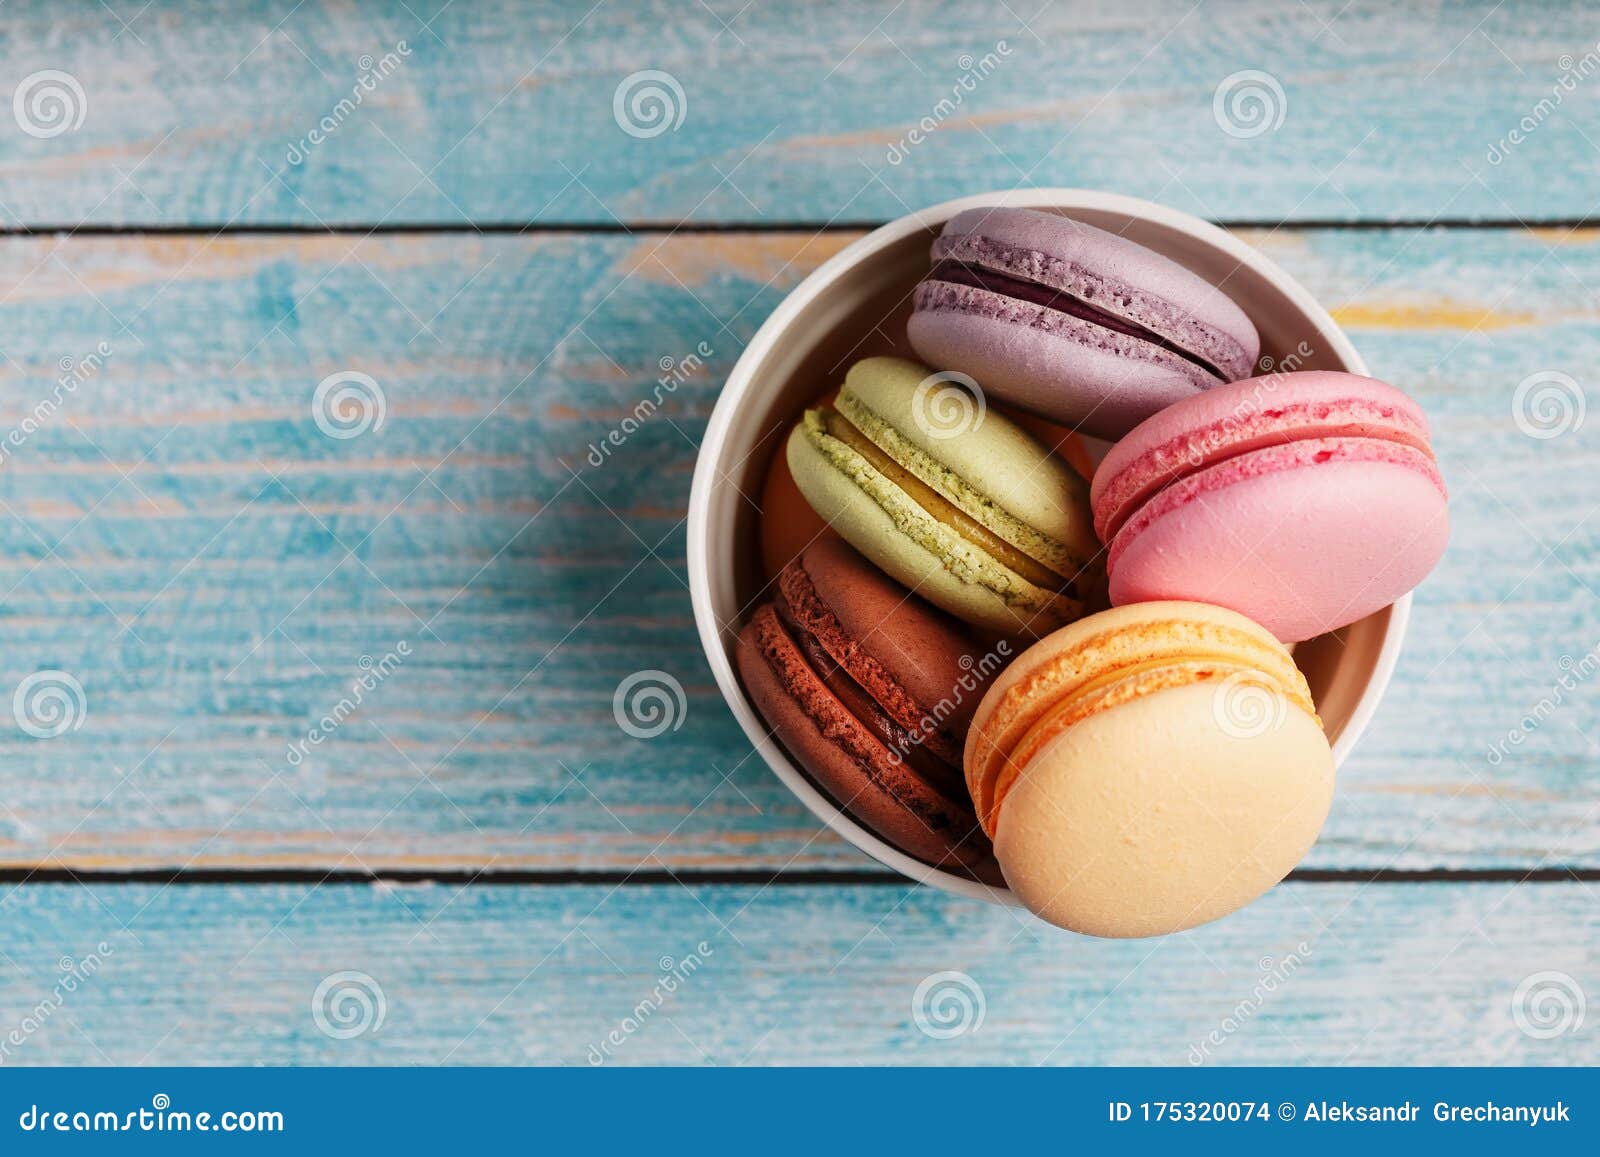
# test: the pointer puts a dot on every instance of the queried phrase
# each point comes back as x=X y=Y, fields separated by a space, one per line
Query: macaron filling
x=901 y=745
x=1068 y=559
x=940 y=507
x=907 y=725
x=965 y=555
x=1048 y=297
x=1254 y=427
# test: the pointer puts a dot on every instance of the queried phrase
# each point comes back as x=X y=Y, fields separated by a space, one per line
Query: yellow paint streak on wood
x=1447 y=315
x=1558 y=236
x=778 y=258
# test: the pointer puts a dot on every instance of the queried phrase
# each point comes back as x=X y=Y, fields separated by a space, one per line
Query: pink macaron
x=1305 y=501
x=1070 y=322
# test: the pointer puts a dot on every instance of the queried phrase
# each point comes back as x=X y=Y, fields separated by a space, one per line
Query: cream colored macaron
x=1149 y=768
x=955 y=501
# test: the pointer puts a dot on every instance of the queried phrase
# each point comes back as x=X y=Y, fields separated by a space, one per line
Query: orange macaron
x=1149 y=768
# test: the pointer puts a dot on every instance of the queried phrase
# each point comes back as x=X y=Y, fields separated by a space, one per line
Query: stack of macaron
x=873 y=691
x=1082 y=689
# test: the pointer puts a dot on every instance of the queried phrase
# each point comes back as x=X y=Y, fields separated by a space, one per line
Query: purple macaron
x=1073 y=323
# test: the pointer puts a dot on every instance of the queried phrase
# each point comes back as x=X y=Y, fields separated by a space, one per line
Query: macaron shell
x=857 y=518
x=1243 y=416
x=1151 y=817
x=820 y=733
x=880 y=626
x=1119 y=262
x=1302 y=550
x=984 y=449
x=788 y=525
x=1084 y=376
x=1117 y=639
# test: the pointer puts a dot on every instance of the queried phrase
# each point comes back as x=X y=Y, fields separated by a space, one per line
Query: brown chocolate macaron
x=872 y=690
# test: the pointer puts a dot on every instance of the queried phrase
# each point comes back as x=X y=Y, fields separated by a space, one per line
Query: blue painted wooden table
x=315 y=603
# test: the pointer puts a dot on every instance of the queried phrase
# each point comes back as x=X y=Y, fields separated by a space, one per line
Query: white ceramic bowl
x=854 y=306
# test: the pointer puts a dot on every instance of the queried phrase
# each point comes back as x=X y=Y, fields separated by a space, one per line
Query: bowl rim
x=741 y=380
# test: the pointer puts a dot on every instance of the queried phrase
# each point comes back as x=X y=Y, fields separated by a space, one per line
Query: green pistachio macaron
x=952 y=499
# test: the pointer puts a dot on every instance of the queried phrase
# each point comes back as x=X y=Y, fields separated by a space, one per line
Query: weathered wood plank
x=504 y=111
x=1312 y=974
x=181 y=537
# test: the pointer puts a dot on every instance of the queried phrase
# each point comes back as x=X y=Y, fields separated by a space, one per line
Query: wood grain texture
x=1375 y=975
x=503 y=111
x=180 y=536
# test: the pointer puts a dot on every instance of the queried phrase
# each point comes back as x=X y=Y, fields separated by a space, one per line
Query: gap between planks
x=692 y=228
x=655 y=877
